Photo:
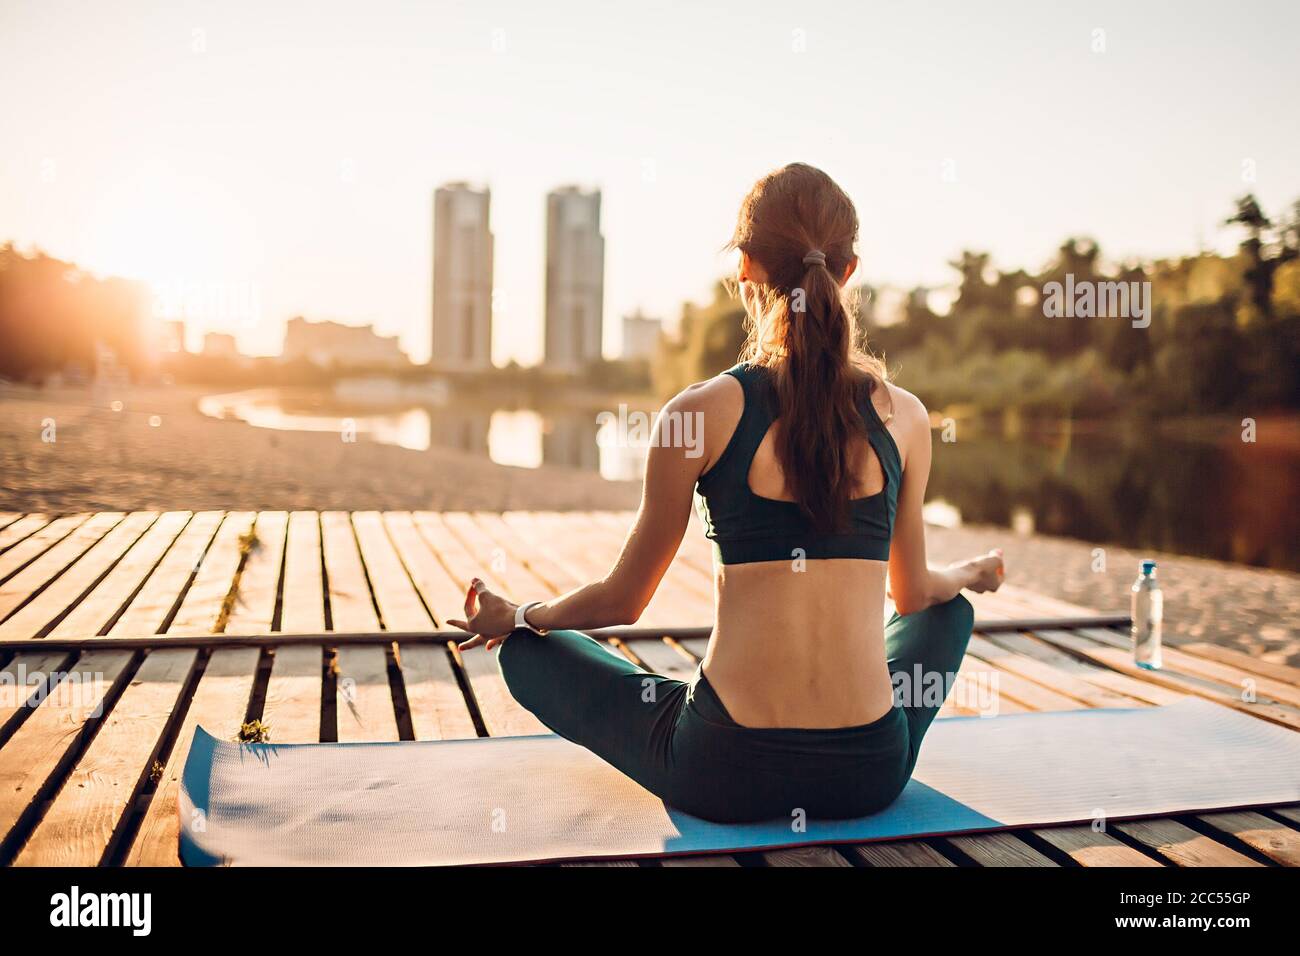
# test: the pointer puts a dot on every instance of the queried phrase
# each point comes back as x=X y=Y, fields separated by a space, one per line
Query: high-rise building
x=462 y=278
x=575 y=278
x=640 y=335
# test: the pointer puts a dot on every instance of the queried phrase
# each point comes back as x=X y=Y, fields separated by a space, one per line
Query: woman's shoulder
x=907 y=420
x=717 y=394
x=897 y=403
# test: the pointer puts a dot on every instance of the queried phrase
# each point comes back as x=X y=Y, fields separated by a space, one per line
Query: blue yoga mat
x=534 y=799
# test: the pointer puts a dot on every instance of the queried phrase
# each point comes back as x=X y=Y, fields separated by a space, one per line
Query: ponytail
x=802 y=327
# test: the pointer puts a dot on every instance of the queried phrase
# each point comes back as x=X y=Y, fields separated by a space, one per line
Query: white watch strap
x=521 y=621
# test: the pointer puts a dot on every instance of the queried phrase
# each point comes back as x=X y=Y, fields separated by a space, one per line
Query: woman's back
x=799 y=628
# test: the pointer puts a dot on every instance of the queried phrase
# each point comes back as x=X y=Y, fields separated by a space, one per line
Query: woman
x=810 y=482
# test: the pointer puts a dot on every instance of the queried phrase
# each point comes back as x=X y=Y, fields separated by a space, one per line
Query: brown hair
x=802 y=326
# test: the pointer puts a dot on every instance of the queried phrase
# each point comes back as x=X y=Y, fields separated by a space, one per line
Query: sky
x=277 y=159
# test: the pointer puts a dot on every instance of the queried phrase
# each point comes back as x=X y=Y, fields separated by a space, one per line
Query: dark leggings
x=677 y=740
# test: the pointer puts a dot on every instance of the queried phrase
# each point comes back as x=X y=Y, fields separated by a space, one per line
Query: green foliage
x=709 y=341
x=1224 y=334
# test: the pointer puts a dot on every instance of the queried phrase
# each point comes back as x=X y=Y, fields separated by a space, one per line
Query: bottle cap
x=1148 y=566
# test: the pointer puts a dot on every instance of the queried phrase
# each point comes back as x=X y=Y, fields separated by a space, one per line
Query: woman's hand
x=488 y=616
x=986 y=571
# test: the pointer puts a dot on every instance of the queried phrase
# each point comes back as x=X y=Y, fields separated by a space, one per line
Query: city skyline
x=287 y=162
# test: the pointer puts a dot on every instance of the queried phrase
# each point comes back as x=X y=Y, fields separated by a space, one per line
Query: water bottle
x=1148 y=615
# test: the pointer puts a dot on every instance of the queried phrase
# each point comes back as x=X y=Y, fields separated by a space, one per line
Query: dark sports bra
x=747 y=528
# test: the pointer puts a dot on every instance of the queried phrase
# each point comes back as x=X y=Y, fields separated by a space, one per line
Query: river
x=1214 y=497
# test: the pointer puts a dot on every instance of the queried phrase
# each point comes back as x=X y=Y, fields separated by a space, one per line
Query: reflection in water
x=1230 y=501
x=513 y=438
x=522 y=437
x=1226 y=500
x=571 y=440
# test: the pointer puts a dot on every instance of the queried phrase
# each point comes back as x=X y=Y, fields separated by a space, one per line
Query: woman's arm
x=914 y=585
x=676 y=460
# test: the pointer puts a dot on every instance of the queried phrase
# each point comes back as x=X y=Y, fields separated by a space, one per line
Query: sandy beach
x=159 y=452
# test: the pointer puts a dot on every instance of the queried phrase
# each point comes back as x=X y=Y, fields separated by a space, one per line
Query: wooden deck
x=89 y=771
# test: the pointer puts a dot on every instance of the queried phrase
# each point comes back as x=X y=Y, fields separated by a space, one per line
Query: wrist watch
x=521 y=621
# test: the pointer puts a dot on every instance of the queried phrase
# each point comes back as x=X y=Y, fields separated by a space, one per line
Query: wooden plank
x=24 y=676
x=351 y=607
x=9 y=517
x=259 y=582
x=98 y=609
x=219 y=704
x=974 y=698
x=1087 y=847
x=698 y=861
x=79 y=826
x=1275 y=840
x=900 y=853
x=304 y=595
x=1122 y=662
x=34 y=545
x=514 y=578
x=661 y=658
x=502 y=715
x=365 y=709
x=1287 y=813
x=1005 y=684
x=149 y=610
x=999 y=849
x=42 y=742
x=201 y=610
x=292 y=710
x=1226 y=674
x=1244 y=662
x=811 y=856
x=80 y=823
x=451 y=552
x=20 y=529
x=1024 y=601
x=34 y=618
x=400 y=605
x=1126 y=687
x=1019 y=654
x=442 y=595
x=557 y=578
x=616 y=863
x=527 y=537
x=698 y=646
x=1181 y=844
x=438 y=708
x=48 y=566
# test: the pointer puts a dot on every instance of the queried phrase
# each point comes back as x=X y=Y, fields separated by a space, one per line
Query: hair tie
x=814 y=257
